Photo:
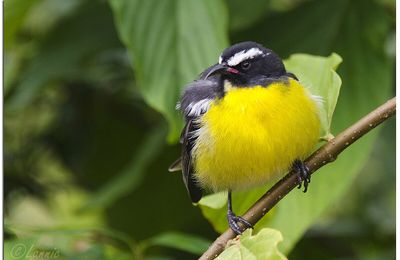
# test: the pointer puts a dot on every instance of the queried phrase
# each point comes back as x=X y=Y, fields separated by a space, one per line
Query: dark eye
x=245 y=65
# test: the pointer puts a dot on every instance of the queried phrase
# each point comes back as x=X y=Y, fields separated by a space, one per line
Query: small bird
x=248 y=121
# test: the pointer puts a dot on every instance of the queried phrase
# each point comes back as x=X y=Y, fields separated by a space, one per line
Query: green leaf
x=263 y=245
x=62 y=55
x=169 y=43
x=14 y=16
x=132 y=176
x=185 y=242
x=242 y=14
x=320 y=78
x=214 y=201
x=13 y=60
x=55 y=10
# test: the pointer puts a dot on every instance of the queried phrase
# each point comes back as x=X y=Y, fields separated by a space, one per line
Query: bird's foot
x=234 y=221
x=303 y=174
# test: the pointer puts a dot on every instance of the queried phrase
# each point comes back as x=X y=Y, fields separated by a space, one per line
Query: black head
x=248 y=63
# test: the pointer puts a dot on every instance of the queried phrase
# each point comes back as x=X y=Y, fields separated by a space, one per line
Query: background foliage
x=89 y=95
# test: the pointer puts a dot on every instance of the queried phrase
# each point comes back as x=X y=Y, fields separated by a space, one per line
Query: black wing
x=195 y=101
x=193 y=188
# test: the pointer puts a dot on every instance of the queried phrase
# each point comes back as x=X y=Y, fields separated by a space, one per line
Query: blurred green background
x=90 y=126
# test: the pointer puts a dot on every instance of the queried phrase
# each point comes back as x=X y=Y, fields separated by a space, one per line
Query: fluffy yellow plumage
x=254 y=134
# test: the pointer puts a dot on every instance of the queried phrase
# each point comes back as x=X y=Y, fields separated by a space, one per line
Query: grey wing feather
x=197 y=97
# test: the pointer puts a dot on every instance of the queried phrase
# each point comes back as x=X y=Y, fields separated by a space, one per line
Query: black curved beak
x=216 y=69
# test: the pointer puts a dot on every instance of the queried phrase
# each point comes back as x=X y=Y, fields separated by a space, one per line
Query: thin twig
x=322 y=156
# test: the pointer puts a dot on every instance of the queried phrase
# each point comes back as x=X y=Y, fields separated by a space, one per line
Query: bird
x=248 y=121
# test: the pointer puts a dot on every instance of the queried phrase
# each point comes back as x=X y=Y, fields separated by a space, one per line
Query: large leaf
x=244 y=13
x=319 y=76
x=264 y=246
x=132 y=176
x=38 y=24
x=367 y=76
x=182 y=241
x=170 y=42
x=14 y=16
x=65 y=52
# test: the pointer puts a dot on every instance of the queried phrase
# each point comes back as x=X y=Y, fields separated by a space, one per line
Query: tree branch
x=322 y=156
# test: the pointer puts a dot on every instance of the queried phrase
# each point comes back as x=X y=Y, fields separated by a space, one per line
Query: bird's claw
x=303 y=174
x=234 y=221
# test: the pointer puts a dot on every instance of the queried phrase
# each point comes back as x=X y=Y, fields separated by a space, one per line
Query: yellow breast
x=255 y=134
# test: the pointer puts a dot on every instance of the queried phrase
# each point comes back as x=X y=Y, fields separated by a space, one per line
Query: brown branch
x=322 y=156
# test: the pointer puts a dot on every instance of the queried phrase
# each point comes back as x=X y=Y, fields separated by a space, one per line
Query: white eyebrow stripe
x=243 y=55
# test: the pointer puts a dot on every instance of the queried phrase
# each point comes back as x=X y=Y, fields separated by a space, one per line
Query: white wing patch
x=198 y=108
x=243 y=55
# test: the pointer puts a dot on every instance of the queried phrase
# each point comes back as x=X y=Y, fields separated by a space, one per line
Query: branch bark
x=324 y=155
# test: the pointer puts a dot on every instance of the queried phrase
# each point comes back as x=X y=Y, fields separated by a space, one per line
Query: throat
x=228 y=86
